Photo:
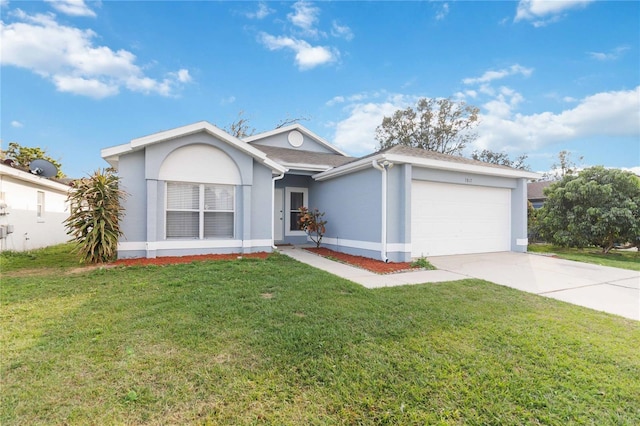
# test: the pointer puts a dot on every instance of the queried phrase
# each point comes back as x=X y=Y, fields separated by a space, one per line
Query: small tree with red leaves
x=310 y=221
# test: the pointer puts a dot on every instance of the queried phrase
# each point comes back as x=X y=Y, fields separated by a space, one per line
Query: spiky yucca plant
x=94 y=222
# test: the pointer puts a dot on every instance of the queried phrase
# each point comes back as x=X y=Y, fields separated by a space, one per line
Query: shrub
x=310 y=221
x=95 y=215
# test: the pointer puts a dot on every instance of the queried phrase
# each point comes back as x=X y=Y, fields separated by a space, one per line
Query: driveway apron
x=602 y=288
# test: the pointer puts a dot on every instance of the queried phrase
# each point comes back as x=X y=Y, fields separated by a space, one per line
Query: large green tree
x=94 y=220
x=23 y=155
x=440 y=125
x=596 y=207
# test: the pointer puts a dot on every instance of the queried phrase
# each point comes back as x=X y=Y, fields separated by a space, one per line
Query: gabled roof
x=304 y=160
x=301 y=129
x=422 y=158
x=112 y=154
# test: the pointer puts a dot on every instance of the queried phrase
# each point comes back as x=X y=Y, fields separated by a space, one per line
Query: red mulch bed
x=372 y=265
x=377 y=266
x=171 y=260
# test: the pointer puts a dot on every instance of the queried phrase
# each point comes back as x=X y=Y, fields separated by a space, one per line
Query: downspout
x=383 y=238
x=273 y=206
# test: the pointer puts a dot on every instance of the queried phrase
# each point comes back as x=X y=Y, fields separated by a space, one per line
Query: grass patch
x=615 y=258
x=60 y=256
x=423 y=263
x=277 y=342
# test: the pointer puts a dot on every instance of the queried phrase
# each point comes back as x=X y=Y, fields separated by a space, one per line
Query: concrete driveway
x=612 y=290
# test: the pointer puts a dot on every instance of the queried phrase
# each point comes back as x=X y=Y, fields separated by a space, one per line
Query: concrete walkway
x=366 y=278
x=612 y=290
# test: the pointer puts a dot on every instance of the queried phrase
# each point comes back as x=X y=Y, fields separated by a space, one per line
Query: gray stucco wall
x=261 y=214
x=519 y=233
x=132 y=181
x=352 y=205
x=144 y=220
x=281 y=141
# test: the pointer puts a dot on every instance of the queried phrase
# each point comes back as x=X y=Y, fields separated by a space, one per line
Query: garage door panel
x=459 y=219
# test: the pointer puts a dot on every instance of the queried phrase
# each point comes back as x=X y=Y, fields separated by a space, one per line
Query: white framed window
x=40 y=206
x=294 y=199
x=199 y=210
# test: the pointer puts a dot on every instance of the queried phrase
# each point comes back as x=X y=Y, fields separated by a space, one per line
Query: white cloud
x=341 y=31
x=609 y=56
x=17 y=124
x=307 y=56
x=68 y=57
x=335 y=100
x=305 y=17
x=544 y=12
x=443 y=12
x=72 y=7
x=90 y=87
x=489 y=76
x=262 y=12
x=227 y=101
x=356 y=133
x=634 y=170
x=181 y=75
x=606 y=114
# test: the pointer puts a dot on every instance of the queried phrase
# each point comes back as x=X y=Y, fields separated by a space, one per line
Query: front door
x=278 y=216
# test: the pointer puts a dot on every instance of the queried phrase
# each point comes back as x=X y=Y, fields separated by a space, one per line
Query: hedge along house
x=196 y=190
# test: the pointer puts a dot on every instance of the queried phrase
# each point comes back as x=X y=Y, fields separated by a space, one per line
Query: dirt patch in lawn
x=377 y=266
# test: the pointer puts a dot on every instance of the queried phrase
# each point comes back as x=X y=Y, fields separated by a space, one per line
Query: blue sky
x=79 y=76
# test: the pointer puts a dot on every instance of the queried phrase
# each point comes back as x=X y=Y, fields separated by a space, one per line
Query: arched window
x=200 y=193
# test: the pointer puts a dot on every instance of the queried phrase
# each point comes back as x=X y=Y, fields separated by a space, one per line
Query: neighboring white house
x=32 y=210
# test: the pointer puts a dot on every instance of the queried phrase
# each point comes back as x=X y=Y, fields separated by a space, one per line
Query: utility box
x=3 y=231
x=9 y=229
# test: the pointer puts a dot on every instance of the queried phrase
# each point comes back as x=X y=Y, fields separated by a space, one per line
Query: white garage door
x=459 y=219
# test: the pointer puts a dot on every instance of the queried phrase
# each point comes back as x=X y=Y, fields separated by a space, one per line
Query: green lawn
x=615 y=258
x=278 y=342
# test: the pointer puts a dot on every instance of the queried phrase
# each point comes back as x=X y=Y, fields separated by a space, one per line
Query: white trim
x=345 y=169
x=301 y=129
x=398 y=247
x=34 y=179
x=190 y=244
x=522 y=241
x=111 y=154
x=307 y=167
x=287 y=210
x=425 y=162
x=195 y=244
x=367 y=245
x=462 y=167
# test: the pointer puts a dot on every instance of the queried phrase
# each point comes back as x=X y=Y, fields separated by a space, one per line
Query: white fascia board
x=111 y=154
x=307 y=167
x=347 y=168
x=115 y=151
x=462 y=167
x=276 y=167
x=33 y=179
x=300 y=128
x=426 y=162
